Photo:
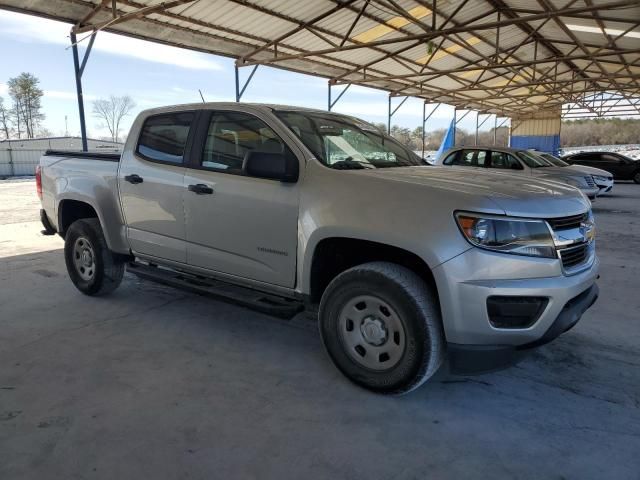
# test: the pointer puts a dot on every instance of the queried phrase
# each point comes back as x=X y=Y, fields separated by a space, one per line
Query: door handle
x=200 y=189
x=135 y=178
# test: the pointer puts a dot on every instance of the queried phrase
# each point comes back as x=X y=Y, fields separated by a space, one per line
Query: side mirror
x=275 y=166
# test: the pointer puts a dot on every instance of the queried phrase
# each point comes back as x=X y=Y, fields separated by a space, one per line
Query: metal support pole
x=477 y=127
x=237 y=75
x=86 y=54
x=455 y=124
x=392 y=113
x=509 y=131
x=424 y=121
x=330 y=103
x=480 y=124
x=78 y=74
x=239 y=91
x=456 y=120
x=496 y=127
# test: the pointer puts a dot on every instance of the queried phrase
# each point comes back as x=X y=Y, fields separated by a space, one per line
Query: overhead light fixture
x=609 y=31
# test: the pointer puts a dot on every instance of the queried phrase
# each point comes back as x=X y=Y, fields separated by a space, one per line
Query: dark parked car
x=622 y=168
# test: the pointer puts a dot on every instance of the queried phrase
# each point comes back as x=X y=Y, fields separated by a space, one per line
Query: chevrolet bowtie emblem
x=588 y=230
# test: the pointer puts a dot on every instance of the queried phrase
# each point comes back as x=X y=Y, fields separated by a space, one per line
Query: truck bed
x=110 y=157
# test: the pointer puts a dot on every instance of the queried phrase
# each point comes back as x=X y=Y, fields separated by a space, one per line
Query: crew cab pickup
x=283 y=208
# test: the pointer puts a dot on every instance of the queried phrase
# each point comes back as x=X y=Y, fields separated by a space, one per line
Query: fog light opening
x=515 y=312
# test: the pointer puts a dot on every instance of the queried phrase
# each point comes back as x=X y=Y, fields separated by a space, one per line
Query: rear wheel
x=381 y=326
x=92 y=267
x=636 y=177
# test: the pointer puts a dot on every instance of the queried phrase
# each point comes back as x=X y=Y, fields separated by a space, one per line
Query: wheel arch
x=333 y=255
x=75 y=207
x=71 y=210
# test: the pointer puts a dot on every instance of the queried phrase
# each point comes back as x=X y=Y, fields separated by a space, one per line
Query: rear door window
x=504 y=161
x=163 y=138
x=481 y=158
x=583 y=157
x=471 y=158
x=611 y=159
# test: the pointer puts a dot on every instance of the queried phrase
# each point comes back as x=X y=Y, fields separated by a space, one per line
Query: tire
x=381 y=326
x=636 y=177
x=92 y=267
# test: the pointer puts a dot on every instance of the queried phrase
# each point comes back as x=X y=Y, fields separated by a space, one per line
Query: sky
x=156 y=75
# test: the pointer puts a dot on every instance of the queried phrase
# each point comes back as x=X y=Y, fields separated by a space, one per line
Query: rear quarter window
x=163 y=138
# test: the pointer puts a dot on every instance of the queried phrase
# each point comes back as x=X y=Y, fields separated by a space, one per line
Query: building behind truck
x=21 y=156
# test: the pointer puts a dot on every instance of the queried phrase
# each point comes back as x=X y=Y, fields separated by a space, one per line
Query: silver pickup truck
x=284 y=208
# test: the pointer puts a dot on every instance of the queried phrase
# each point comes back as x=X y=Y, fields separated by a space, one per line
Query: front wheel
x=636 y=177
x=92 y=267
x=381 y=326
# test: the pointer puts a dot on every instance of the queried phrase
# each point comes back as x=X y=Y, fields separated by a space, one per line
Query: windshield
x=534 y=161
x=346 y=143
x=554 y=160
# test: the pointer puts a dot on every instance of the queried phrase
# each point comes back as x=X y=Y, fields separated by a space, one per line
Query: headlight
x=599 y=178
x=507 y=235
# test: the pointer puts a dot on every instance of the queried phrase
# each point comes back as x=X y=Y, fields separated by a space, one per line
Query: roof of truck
x=239 y=106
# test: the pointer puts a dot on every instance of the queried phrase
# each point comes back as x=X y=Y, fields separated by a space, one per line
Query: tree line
x=22 y=116
x=599 y=131
x=573 y=133
x=433 y=139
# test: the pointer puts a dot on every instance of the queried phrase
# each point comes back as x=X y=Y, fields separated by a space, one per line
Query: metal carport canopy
x=508 y=57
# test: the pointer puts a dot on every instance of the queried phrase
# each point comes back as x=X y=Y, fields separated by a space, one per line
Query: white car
x=518 y=162
x=603 y=179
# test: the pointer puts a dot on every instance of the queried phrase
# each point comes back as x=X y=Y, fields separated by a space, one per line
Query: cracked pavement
x=153 y=382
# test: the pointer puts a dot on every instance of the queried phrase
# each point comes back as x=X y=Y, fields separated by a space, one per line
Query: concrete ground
x=154 y=383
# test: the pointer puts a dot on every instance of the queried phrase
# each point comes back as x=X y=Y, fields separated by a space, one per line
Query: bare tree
x=112 y=111
x=4 y=119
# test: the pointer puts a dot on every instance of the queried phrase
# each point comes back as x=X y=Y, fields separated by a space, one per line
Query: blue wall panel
x=542 y=143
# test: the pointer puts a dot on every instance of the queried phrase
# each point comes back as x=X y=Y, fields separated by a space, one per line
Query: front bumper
x=466 y=282
x=604 y=186
x=590 y=192
x=470 y=359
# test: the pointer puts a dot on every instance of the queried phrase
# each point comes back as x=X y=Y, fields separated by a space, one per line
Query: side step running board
x=263 y=302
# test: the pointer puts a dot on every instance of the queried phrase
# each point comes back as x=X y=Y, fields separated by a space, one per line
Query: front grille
x=574 y=255
x=589 y=180
x=564 y=223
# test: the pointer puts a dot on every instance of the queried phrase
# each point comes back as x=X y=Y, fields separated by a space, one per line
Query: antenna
x=200 y=92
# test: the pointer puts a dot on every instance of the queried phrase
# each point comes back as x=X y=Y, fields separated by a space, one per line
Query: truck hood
x=517 y=195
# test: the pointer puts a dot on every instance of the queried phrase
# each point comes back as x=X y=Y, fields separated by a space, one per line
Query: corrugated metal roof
x=512 y=57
